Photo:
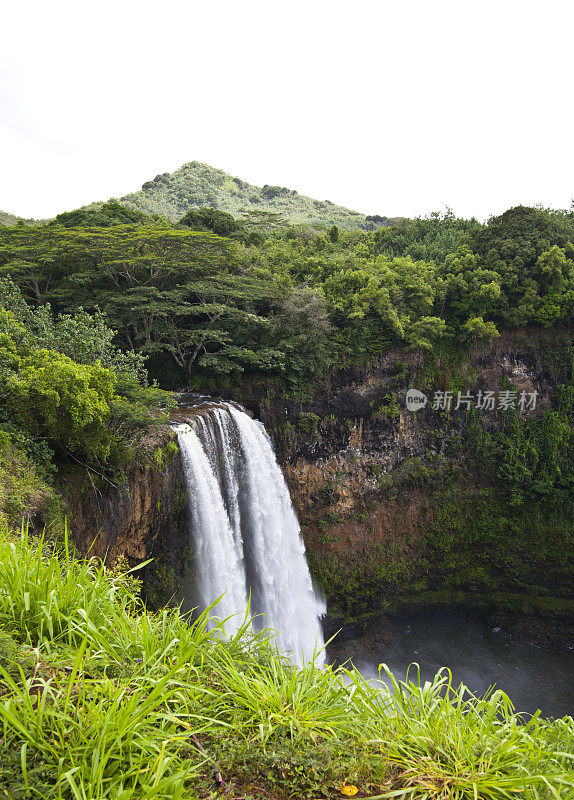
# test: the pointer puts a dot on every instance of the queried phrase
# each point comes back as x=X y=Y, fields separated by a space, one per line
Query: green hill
x=8 y=220
x=197 y=185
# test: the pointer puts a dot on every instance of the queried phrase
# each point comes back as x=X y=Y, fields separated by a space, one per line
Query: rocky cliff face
x=393 y=518
x=337 y=447
x=138 y=517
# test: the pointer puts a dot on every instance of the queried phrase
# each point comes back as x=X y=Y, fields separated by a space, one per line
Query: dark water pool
x=533 y=677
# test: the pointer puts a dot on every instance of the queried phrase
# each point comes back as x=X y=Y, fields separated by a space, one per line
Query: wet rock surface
x=138 y=518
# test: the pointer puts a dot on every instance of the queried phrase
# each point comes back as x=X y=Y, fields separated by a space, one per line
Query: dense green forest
x=100 y=299
x=207 y=295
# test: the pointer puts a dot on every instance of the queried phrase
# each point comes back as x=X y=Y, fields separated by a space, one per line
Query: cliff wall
x=138 y=516
x=398 y=511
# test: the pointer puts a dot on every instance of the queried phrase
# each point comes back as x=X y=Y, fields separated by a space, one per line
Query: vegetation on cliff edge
x=208 y=301
x=68 y=394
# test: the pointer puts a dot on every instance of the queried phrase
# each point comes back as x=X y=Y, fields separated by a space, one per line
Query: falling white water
x=244 y=530
x=216 y=551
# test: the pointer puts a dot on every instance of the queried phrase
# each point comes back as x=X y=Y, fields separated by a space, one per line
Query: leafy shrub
x=52 y=396
x=66 y=386
x=308 y=423
x=24 y=489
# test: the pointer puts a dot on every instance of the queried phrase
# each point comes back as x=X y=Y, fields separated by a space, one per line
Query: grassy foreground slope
x=99 y=698
x=197 y=185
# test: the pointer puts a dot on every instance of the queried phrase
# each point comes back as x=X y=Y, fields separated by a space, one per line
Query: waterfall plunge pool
x=533 y=677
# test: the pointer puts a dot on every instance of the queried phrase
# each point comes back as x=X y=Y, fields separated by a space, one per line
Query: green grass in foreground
x=101 y=699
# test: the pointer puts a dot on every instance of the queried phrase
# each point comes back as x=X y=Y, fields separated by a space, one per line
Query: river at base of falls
x=533 y=677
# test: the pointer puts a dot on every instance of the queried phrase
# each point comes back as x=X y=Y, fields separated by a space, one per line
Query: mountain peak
x=198 y=185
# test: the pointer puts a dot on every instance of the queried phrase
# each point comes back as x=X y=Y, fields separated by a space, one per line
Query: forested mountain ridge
x=197 y=185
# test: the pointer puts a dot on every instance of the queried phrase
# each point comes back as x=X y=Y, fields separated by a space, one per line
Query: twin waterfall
x=245 y=535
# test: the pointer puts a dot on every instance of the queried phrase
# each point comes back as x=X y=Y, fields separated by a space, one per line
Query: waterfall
x=219 y=558
x=244 y=532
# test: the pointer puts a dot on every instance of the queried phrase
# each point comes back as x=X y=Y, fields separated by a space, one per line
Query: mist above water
x=533 y=677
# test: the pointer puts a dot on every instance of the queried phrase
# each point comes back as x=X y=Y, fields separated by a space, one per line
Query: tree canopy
x=212 y=296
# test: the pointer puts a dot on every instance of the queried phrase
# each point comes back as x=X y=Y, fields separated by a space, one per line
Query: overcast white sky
x=395 y=108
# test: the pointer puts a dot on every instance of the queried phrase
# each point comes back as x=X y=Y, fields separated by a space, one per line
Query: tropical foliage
x=208 y=296
x=101 y=699
x=66 y=388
